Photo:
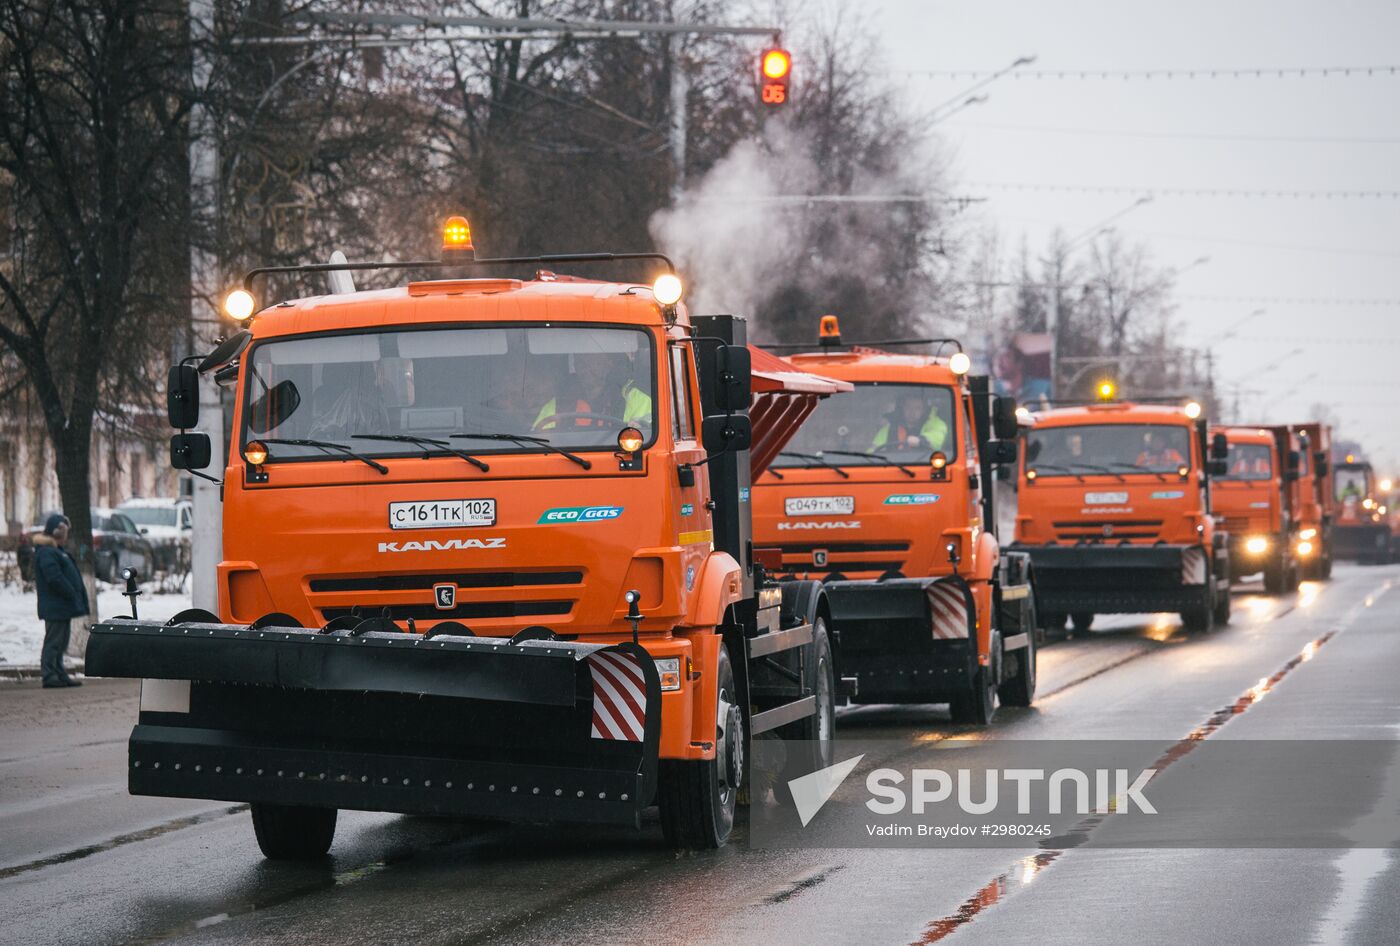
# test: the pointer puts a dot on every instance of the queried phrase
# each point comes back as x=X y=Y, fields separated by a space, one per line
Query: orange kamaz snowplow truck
x=1361 y=532
x=1255 y=497
x=486 y=553
x=1114 y=509
x=1315 y=500
x=885 y=495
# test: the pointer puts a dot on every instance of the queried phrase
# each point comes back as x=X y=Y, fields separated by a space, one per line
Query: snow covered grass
x=22 y=633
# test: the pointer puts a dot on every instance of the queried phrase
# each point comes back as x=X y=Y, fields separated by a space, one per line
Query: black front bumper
x=1360 y=541
x=905 y=640
x=473 y=727
x=1107 y=579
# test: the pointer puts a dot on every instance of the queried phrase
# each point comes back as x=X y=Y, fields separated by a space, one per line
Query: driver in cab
x=914 y=424
x=1155 y=453
x=599 y=393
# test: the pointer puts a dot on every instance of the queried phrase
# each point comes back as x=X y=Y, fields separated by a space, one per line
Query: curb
x=31 y=672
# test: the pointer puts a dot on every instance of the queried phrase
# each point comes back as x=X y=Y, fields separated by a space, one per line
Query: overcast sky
x=1306 y=134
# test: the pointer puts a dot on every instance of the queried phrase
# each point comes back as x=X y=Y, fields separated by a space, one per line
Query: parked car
x=167 y=524
x=116 y=544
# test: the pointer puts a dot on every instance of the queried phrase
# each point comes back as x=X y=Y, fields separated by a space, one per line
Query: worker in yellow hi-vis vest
x=594 y=396
x=915 y=424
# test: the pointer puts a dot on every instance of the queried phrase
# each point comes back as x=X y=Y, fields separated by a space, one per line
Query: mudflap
x=905 y=640
x=535 y=730
x=1367 y=542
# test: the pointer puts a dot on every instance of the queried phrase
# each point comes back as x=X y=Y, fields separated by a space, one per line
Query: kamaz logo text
x=782 y=526
x=441 y=545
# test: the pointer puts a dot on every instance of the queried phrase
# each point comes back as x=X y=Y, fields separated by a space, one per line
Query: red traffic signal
x=774 y=72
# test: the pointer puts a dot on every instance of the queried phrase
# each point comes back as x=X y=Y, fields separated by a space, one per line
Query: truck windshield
x=1108 y=448
x=575 y=387
x=1351 y=483
x=888 y=424
x=1249 y=461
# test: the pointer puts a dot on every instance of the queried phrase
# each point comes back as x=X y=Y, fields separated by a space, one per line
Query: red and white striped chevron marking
x=619 y=696
x=1193 y=566
x=948 y=604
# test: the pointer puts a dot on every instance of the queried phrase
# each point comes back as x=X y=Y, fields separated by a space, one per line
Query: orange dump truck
x=487 y=554
x=1315 y=500
x=1113 y=508
x=885 y=495
x=1255 y=497
x=1361 y=531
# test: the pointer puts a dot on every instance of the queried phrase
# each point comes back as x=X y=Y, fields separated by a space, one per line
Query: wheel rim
x=825 y=713
x=729 y=746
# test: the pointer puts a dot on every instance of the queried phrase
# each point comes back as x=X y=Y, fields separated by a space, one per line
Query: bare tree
x=93 y=101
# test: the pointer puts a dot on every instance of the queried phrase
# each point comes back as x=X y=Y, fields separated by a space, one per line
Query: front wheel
x=1222 y=609
x=293 y=832
x=978 y=704
x=697 y=799
x=1082 y=620
x=1199 y=618
x=1019 y=688
x=813 y=735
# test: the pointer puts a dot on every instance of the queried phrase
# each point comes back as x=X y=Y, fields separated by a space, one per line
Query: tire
x=292 y=832
x=1054 y=624
x=697 y=799
x=1019 y=688
x=817 y=732
x=1199 y=619
x=1325 y=571
x=1275 y=579
x=1222 y=609
x=1082 y=620
x=978 y=705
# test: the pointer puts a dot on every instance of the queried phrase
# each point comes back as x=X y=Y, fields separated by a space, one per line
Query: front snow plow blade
x=905 y=640
x=537 y=730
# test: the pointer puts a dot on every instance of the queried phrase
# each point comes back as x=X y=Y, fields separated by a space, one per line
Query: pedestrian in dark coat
x=62 y=597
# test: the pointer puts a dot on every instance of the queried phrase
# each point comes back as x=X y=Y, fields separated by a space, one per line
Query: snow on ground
x=22 y=633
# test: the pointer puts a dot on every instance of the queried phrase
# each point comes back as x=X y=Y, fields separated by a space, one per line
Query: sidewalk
x=22 y=633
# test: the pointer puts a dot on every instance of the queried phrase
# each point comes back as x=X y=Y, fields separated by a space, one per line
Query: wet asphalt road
x=82 y=862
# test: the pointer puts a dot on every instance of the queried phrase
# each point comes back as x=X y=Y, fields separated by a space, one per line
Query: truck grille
x=466 y=609
x=460 y=579
x=847 y=557
x=1236 y=525
x=1092 y=530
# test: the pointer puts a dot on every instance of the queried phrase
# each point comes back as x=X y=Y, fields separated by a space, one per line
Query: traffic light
x=774 y=73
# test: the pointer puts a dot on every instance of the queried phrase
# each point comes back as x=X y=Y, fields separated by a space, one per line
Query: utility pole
x=207 y=536
x=680 y=91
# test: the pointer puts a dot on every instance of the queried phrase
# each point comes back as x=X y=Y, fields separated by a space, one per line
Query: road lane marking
x=121 y=839
x=1000 y=886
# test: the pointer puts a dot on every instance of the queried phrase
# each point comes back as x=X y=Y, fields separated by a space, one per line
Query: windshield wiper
x=1134 y=468
x=1096 y=468
x=525 y=439
x=881 y=461
x=816 y=458
x=426 y=443
x=349 y=454
x=1037 y=467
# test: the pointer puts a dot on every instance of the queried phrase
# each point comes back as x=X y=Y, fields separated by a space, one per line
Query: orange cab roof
x=1245 y=434
x=451 y=300
x=1114 y=412
x=860 y=363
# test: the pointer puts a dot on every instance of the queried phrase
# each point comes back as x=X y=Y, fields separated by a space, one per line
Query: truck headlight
x=669 y=668
x=1308 y=534
x=1305 y=548
x=1256 y=545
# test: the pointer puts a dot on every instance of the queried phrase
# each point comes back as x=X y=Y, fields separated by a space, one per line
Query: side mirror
x=276 y=404
x=1004 y=422
x=1002 y=452
x=182 y=397
x=722 y=432
x=1216 y=468
x=1219 y=447
x=144 y=531
x=1320 y=463
x=227 y=350
x=733 y=378
x=190 y=451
